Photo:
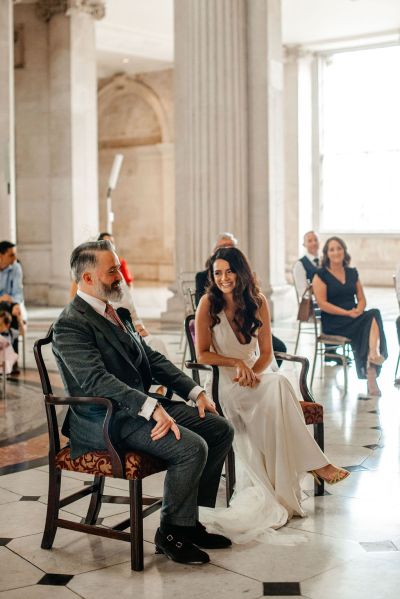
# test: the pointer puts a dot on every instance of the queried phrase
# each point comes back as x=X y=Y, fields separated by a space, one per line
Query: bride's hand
x=245 y=375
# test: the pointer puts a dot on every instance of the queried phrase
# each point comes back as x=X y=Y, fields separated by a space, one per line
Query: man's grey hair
x=226 y=235
x=84 y=257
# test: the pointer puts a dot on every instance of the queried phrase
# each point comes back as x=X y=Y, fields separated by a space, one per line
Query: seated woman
x=272 y=444
x=340 y=296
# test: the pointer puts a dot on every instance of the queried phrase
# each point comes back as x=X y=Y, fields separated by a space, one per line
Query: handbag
x=305 y=306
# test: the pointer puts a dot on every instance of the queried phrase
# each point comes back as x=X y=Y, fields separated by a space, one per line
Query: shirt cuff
x=195 y=392
x=148 y=408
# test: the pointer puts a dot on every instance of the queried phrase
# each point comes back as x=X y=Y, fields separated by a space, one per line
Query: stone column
x=72 y=126
x=265 y=150
x=298 y=150
x=210 y=117
x=7 y=155
x=229 y=133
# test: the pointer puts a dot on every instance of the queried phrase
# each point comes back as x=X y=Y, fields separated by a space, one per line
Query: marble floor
x=350 y=545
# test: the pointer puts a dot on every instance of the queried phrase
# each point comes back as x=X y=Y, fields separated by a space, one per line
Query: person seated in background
x=340 y=296
x=228 y=240
x=7 y=337
x=306 y=267
x=11 y=290
x=397 y=275
x=303 y=273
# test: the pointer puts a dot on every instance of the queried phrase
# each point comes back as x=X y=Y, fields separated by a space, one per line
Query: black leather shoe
x=198 y=535
x=179 y=549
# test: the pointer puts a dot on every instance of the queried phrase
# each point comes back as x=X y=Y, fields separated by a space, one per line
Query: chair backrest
x=396 y=290
x=41 y=366
x=54 y=435
x=187 y=286
x=191 y=339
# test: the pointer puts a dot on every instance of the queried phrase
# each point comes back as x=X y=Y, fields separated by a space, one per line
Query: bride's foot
x=330 y=474
x=372 y=385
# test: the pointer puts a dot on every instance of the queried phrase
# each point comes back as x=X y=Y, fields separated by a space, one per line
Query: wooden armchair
x=313 y=412
x=133 y=466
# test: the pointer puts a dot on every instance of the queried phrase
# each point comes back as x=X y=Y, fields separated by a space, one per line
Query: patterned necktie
x=316 y=261
x=114 y=318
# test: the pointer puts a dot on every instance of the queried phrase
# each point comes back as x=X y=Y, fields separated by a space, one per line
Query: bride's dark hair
x=246 y=293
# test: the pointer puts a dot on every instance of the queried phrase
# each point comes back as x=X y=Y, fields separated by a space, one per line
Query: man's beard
x=111 y=293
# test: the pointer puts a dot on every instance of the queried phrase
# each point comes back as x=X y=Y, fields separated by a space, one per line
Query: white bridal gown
x=273 y=448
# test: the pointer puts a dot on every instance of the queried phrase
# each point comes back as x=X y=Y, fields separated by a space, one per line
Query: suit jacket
x=95 y=357
x=200 y=282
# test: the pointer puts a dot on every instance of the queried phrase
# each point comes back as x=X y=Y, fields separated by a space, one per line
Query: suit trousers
x=194 y=463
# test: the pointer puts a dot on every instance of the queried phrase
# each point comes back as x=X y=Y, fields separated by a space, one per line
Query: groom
x=99 y=353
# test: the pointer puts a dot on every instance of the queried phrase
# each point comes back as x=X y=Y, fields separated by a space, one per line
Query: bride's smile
x=224 y=277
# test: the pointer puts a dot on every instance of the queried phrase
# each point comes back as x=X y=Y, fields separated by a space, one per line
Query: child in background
x=8 y=357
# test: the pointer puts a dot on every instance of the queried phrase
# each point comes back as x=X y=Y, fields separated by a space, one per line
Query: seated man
x=228 y=240
x=11 y=294
x=99 y=353
x=306 y=267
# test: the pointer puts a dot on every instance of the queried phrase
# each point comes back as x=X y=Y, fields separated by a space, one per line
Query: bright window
x=360 y=141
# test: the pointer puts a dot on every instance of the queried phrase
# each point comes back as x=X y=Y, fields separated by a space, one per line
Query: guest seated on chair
x=272 y=444
x=306 y=267
x=225 y=240
x=11 y=290
x=341 y=298
x=303 y=274
x=99 y=353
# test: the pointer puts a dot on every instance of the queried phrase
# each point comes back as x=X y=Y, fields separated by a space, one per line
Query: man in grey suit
x=98 y=352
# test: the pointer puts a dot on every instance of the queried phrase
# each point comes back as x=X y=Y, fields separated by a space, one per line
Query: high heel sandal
x=372 y=385
x=336 y=478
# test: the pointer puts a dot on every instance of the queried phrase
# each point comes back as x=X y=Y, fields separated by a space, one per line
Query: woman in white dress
x=273 y=447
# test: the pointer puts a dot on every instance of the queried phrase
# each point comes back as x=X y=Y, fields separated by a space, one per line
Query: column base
x=175 y=312
x=282 y=302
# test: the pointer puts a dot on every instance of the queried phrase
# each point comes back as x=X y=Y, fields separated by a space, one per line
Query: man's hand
x=204 y=404
x=143 y=332
x=6 y=298
x=165 y=423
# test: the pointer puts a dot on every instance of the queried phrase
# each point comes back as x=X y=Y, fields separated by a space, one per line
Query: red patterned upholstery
x=99 y=464
x=313 y=412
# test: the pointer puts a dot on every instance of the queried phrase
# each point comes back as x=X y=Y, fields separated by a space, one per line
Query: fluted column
x=229 y=135
x=56 y=100
x=7 y=157
x=211 y=133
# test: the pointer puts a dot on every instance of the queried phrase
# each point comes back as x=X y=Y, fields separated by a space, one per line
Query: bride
x=273 y=447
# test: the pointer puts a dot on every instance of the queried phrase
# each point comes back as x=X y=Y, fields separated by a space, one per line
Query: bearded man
x=99 y=353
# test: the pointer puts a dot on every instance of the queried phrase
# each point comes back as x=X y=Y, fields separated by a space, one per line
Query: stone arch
x=120 y=87
x=134 y=121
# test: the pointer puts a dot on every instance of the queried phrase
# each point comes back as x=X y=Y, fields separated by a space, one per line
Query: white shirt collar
x=311 y=257
x=97 y=304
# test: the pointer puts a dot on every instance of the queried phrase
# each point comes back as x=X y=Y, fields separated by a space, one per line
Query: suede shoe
x=198 y=535
x=179 y=549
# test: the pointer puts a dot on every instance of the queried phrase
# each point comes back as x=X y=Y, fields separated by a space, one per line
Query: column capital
x=46 y=9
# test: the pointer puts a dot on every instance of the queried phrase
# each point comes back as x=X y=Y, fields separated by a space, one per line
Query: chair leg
x=297 y=338
x=230 y=475
x=24 y=352
x=53 y=506
x=184 y=354
x=314 y=364
x=319 y=489
x=136 y=514
x=95 y=501
x=345 y=370
x=397 y=365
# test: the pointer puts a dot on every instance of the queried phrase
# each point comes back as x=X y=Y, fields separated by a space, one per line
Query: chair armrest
x=196 y=366
x=116 y=463
x=305 y=364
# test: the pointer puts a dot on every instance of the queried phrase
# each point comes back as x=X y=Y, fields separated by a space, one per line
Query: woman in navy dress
x=341 y=298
